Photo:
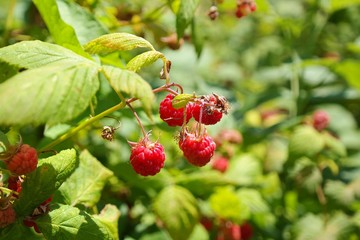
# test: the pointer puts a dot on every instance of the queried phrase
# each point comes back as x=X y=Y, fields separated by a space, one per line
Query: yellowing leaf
x=144 y=59
x=116 y=42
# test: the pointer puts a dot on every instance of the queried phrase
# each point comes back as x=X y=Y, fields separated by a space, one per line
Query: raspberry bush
x=184 y=120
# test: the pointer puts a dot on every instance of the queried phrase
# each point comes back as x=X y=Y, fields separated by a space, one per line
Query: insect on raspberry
x=209 y=109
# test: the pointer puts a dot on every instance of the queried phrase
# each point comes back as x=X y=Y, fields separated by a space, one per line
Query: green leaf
x=50 y=94
x=86 y=26
x=306 y=172
x=116 y=42
x=84 y=186
x=62 y=33
x=199 y=233
x=244 y=170
x=334 y=144
x=305 y=141
x=109 y=216
x=181 y=100
x=316 y=227
x=226 y=204
x=45 y=180
x=17 y=231
x=34 y=54
x=197 y=37
x=253 y=200
x=177 y=209
x=336 y=5
x=185 y=15
x=67 y=222
x=144 y=59
x=7 y=70
x=350 y=70
x=202 y=183
x=308 y=227
x=342 y=192
x=132 y=84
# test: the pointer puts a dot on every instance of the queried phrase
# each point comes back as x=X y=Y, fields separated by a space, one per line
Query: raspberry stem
x=122 y=104
x=137 y=119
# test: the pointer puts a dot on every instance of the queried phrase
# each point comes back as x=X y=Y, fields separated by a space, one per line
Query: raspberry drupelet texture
x=320 y=120
x=7 y=216
x=220 y=164
x=173 y=117
x=197 y=150
x=24 y=161
x=147 y=158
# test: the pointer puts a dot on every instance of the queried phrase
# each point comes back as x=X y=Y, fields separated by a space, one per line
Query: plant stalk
x=84 y=124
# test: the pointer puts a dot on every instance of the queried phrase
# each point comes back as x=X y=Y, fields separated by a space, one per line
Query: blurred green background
x=276 y=66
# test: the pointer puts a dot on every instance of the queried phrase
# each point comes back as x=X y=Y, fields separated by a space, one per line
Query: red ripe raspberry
x=232 y=232
x=209 y=109
x=320 y=120
x=246 y=231
x=173 y=117
x=221 y=164
x=197 y=150
x=7 y=216
x=24 y=161
x=229 y=231
x=207 y=223
x=147 y=158
x=244 y=8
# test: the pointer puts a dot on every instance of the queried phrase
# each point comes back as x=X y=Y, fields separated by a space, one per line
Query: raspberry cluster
x=20 y=160
x=228 y=230
x=147 y=158
x=197 y=146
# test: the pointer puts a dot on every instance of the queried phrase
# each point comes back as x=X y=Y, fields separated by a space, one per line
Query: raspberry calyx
x=170 y=115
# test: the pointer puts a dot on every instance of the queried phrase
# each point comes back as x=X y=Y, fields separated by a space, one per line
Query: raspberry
x=207 y=223
x=246 y=231
x=221 y=164
x=320 y=120
x=229 y=231
x=209 y=110
x=173 y=117
x=7 y=216
x=244 y=8
x=147 y=158
x=232 y=232
x=24 y=161
x=197 y=150
x=228 y=136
